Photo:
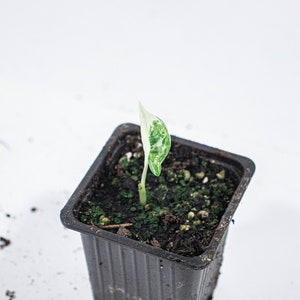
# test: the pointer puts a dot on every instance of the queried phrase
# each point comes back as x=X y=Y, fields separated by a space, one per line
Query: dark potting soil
x=4 y=242
x=184 y=204
x=10 y=294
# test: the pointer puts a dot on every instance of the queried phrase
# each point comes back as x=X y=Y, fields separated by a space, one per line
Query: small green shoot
x=156 y=142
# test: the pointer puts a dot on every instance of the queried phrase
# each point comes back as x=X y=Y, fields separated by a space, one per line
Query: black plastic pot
x=121 y=268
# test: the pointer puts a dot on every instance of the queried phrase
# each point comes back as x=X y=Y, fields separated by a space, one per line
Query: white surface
x=223 y=73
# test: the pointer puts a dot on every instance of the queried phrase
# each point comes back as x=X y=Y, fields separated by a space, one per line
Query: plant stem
x=142 y=184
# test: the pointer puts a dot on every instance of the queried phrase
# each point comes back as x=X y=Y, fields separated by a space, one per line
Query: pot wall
x=118 y=272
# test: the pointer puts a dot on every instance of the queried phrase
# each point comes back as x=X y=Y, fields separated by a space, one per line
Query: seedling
x=156 y=142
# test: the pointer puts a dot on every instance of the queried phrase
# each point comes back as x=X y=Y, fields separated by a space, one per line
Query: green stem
x=142 y=184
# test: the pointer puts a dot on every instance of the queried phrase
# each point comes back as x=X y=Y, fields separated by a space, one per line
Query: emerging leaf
x=155 y=138
x=156 y=144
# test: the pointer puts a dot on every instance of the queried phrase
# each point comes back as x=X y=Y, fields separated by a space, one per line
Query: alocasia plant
x=156 y=142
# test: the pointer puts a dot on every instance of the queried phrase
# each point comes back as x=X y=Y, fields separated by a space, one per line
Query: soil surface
x=184 y=204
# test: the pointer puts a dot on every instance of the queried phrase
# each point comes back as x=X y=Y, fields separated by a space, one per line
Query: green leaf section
x=160 y=144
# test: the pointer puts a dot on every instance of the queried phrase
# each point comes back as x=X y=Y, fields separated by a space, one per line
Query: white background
x=222 y=73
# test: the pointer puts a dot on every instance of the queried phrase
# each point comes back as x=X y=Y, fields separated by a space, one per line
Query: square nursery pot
x=122 y=268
